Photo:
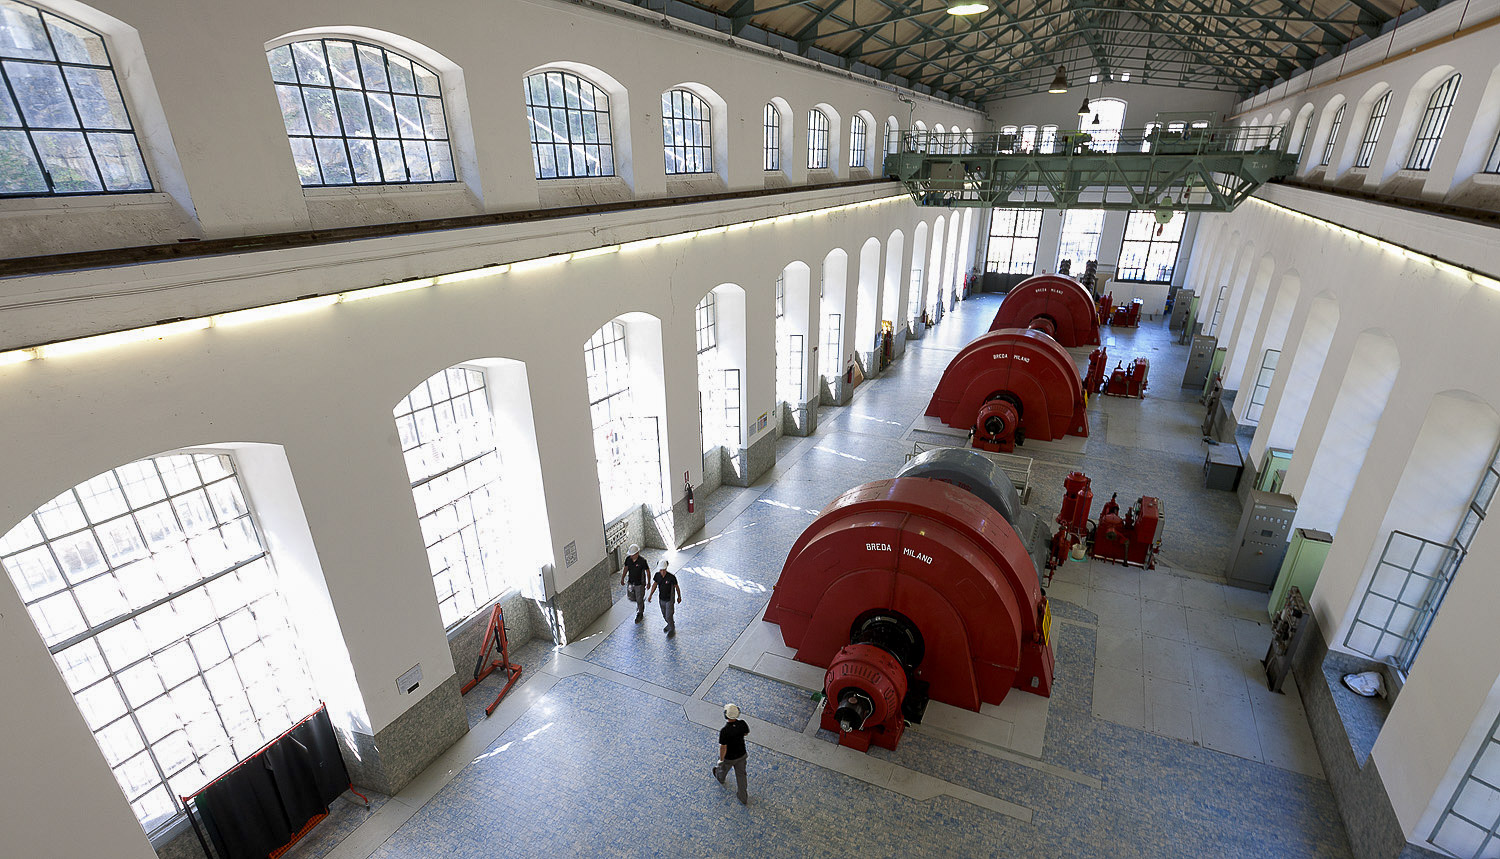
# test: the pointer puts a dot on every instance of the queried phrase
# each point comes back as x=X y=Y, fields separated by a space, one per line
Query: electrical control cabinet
x=1200 y=361
x=1260 y=543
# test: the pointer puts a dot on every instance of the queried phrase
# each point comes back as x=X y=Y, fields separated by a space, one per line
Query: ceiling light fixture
x=1060 y=81
x=967 y=7
x=1083 y=109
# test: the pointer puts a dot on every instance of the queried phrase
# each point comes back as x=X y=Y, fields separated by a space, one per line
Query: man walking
x=636 y=567
x=666 y=583
x=732 y=750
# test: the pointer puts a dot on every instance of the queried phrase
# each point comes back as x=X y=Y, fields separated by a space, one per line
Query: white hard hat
x=662 y=565
x=635 y=549
x=731 y=711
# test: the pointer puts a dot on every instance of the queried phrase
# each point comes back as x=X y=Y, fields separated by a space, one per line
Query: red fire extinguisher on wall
x=687 y=486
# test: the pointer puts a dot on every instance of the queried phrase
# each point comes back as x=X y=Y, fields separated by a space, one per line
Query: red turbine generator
x=1011 y=385
x=1129 y=381
x=913 y=589
x=1053 y=304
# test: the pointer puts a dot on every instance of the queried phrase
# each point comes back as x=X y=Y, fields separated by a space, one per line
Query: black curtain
x=256 y=807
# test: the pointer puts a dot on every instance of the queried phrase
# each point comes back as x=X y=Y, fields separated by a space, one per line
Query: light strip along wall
x=268 y=312
x=1390 y=247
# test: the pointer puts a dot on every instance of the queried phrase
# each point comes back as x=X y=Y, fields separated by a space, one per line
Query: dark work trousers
x=668 y=606
x=721 y=771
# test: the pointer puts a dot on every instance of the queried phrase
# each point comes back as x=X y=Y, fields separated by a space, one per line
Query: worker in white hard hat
x=665 y=582
x=732 y=752
x=636 y=568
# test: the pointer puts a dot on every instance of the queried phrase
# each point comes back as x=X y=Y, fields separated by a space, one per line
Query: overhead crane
x=1179 y=163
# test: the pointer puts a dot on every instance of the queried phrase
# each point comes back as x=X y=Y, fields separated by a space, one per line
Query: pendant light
x=1083 y=109
x=967 y=7
x=1059 y=81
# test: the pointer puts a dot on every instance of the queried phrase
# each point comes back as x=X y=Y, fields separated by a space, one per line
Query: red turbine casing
x=1038 y=375
x=937 y=555
x=877 y=674
x=1061 y=300
x=995 y=426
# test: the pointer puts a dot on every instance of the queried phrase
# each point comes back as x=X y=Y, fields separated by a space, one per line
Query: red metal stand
x=495 y=632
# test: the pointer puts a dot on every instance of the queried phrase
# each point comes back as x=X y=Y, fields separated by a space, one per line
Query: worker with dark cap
x=636 y=567
x=732 y=752
x=667 y=584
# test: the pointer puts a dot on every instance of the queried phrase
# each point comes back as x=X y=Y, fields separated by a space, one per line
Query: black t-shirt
x=732 y=737
x=637 y=567
x=666 y=584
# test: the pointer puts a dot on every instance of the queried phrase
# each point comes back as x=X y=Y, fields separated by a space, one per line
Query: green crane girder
x=1194 y=169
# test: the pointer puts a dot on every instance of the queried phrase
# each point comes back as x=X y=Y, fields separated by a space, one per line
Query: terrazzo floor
x=1161 y=740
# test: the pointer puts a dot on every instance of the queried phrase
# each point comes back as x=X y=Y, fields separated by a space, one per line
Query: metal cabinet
x=1260 y=544
x=1304 y=561
x=1200 y=361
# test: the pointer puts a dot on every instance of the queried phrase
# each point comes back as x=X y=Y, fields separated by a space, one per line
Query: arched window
x=570 y=130
x=1493 y=164
x=64 y=128
x=1109 y=118
x=1049 y=138
x=857 y=138
x=154 y=593
x=771 y=145
x=448 y=439
x=1333 y=136
x=360 y=114
x=1372 y=131
x=892 y=136
x=626 y=448
x=1028 y=138
x=1434 y=120
x=686 y=120
x=817 y=140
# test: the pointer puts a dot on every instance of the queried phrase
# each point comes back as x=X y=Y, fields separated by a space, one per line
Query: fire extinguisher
x=687 y=486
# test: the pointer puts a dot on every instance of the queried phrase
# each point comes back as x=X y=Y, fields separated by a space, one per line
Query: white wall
x=1439 y=322
x=221 y=128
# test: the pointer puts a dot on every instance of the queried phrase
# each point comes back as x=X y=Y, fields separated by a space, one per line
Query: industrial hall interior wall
x=303 y=403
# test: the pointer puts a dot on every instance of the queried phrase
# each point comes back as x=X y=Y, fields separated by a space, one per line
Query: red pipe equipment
x=906 y=589
x=1011 y=385
x=1127 y=315
x=1073 y=519
x=1132 y=539
x=1129 y=381
x=1054 y=304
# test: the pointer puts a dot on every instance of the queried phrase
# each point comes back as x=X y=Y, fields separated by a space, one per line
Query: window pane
x=74 y=44
x=27 y=37
x=119 y=158
x=19 y=172
x=362 y=107
x=98 y=99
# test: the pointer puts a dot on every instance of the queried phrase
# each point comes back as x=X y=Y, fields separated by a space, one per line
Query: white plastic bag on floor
x=1367 y=684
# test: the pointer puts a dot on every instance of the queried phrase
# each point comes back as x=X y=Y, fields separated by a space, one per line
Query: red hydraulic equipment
x=1127 y=315
x=1054 y=304
x=1093 y=380
x=494 y=634
x=1129 y=381
x=1011 y=385
x=1132 y=540
x=1072 y=520
x=909 y=589
x=1105 y=305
